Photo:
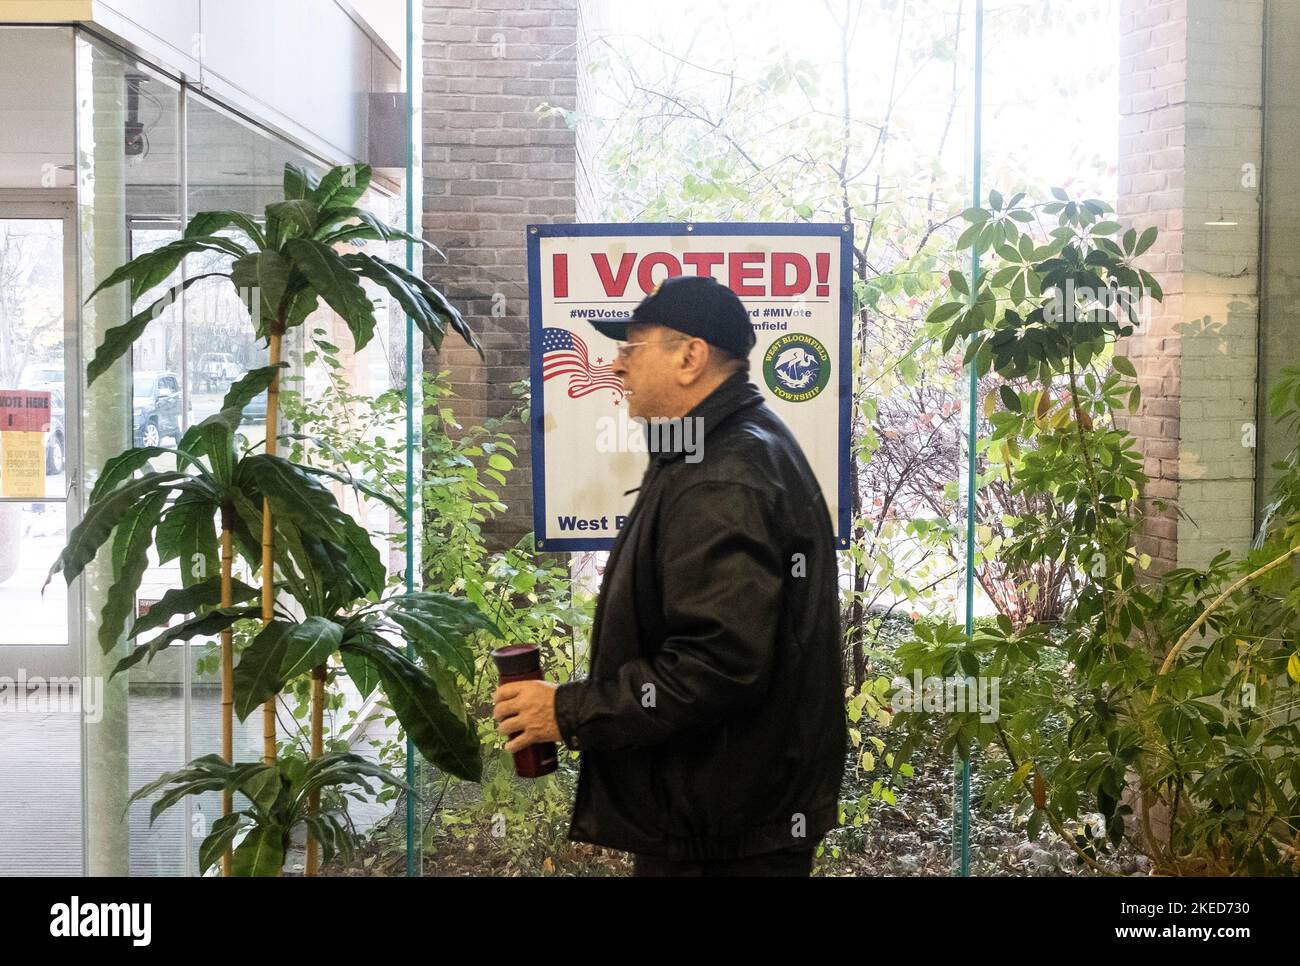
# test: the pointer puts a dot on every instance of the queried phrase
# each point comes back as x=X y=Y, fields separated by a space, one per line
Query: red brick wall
x=492 y=165
x=1191 y=106
x=1152 y=89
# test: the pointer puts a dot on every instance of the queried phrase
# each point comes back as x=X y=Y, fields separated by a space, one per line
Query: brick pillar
x=492 y=165
x=1190 y=115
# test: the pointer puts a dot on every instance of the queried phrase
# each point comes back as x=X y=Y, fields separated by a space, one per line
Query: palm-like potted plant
x=282 y=516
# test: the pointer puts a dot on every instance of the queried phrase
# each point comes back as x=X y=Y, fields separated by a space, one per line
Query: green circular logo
x=796 y=367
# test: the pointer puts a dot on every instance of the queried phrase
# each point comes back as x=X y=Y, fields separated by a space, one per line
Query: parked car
x=44 y=375
x=218 y=370
x=157 y=405
x=255 y=411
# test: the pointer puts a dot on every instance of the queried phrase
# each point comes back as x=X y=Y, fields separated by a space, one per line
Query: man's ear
x=695 y=362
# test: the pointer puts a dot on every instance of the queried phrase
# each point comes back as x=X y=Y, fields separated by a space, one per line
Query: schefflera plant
x=282 y=516
x=1155 y=713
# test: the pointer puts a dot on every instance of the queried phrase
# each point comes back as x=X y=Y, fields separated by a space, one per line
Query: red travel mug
x=524 y=663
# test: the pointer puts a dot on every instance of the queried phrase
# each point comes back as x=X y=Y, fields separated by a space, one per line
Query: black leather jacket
x=712 y=724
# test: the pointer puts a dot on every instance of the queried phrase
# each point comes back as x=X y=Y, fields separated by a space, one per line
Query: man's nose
x=619 y=365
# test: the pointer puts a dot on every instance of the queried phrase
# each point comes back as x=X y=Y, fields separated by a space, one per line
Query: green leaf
x=412 y=301
x=1009 y=398
x=188 y=531
x=302 y=303
x=120 y=338
x=200 y=769
x=224 y=830
x=262 y=787
x=344 y=768
x=298 y=181
x=343 y=186
x=260 y=854
x=257 y=675
x=199 y=440
x=433 y=727
x=130 y=558
x=122 y=467
x=173 y=795
x=301 y=213
x=1123 y=365
x=444 y=310
x=347 y=479
x=334 y=839
x=309 y=644
x=88 y=536
x=1150 y=282
x=1145 y=241
x=442 y=624
x=153 y=268
x=368 y=228
x=943 y=312
x=267 y=273
x=211 y=222
x=363 y=674
x=207 y=625
x=312 y=507
x=335 y=282
x=190 y=600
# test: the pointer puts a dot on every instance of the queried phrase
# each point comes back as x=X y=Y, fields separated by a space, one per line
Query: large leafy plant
x=1154 y=711
x=279 y=799
x=282 y=516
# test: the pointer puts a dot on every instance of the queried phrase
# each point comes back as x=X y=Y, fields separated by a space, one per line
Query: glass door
x=37 y=427
x=42 y=693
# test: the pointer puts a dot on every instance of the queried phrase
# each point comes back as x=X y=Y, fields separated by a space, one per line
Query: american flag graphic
x=564 y=354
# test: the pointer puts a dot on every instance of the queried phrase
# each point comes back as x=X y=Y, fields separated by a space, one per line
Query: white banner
x=796 y=283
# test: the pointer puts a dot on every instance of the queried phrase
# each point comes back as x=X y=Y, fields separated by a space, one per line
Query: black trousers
x=787 y=862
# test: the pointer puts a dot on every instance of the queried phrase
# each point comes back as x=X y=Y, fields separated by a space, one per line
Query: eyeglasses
x=625 y=348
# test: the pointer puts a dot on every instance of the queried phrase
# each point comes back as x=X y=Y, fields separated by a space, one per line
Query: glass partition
x=129 y=202
x=41 y=693
x=102 y=159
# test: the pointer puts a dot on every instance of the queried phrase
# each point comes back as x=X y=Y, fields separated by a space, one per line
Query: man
x=712 y=725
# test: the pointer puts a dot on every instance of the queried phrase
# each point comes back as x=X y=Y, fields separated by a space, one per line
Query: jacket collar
x=732 y=395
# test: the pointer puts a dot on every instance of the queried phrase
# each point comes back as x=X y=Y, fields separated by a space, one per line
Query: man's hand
x=526 y=709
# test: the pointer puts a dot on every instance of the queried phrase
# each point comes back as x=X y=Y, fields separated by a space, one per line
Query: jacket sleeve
x=721 y=577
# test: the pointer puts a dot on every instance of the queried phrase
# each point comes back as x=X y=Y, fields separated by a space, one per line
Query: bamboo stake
x=317 y=749
x=227 y=667
x=268 y=540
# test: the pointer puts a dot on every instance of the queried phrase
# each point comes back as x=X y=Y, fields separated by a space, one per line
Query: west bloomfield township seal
x=796 y=367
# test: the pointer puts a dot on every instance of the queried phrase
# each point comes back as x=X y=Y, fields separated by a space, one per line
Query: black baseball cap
x=695 y=305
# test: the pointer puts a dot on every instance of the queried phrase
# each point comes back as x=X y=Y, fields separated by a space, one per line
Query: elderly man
x=711 y=728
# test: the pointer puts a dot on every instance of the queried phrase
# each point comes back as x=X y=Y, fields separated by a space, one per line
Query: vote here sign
x=796 y=283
